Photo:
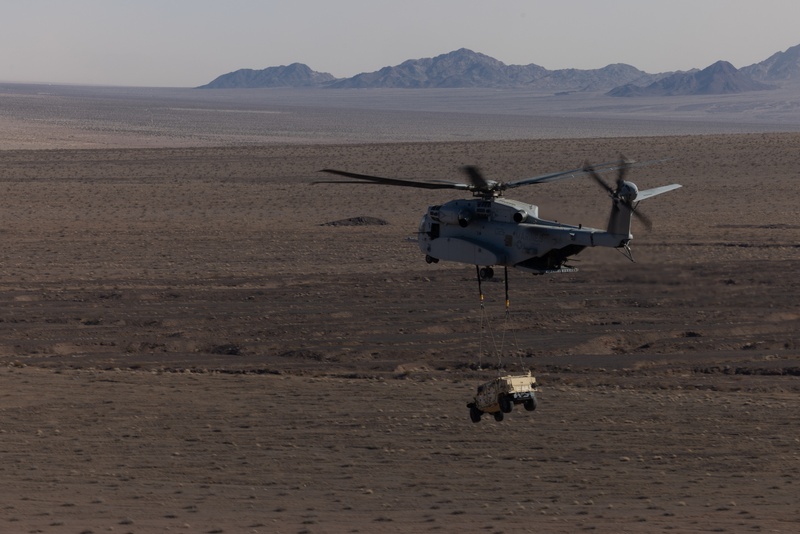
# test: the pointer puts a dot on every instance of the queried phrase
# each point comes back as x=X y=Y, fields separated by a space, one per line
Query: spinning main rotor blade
x=561 y=175
x=392 y=181
x=477 y=179
x=480 y=185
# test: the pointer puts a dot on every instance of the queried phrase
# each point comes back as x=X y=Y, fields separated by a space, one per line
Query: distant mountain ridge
x=717 y=79
x=464 y=68
x=461 y=68
x=294 y=75
x=779 y=67
x=457 y=69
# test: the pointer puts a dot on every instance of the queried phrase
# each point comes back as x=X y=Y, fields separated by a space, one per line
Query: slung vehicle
x=499 y=396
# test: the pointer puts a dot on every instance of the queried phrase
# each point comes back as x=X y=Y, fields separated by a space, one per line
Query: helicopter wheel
x=431 y=259
x=486 y=273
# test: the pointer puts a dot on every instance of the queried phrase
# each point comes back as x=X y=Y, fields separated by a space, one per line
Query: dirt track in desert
x=187 y=346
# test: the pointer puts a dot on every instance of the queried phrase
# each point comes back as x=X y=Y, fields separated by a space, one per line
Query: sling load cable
x=507 y=325
x=484 y=318
x=507 y=320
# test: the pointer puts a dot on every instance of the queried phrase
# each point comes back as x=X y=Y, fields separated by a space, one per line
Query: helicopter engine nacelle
x=452 y=215
x=520 y=216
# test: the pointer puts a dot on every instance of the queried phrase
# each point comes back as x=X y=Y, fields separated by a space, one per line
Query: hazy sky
x=185 y=43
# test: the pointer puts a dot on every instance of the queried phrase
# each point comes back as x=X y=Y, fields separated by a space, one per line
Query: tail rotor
x=625 y=193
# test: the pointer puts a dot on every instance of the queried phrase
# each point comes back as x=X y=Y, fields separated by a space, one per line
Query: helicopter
x=491 y=230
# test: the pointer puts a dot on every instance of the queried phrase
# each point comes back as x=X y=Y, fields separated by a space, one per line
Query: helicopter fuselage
x=501 y=231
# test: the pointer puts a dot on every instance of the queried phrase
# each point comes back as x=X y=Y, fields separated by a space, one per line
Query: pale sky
x=186 y=43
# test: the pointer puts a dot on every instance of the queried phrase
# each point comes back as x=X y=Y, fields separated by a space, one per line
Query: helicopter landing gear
x=485 y=273
x=431 y=259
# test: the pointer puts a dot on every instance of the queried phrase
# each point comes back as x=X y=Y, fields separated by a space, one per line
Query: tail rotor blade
x=587 y=168
x=644 y=219
x=624 y=165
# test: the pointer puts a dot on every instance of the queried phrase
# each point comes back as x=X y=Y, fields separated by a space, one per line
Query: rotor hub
x=627 y=192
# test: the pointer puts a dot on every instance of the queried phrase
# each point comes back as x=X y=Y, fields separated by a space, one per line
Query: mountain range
x=717 y=79
x=464 y=68
x=294 y=75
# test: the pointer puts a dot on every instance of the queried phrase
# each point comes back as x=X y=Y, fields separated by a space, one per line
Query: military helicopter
x=491 y=230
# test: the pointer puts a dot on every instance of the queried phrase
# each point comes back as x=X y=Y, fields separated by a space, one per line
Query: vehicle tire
x=474 y=414
x=498 y=416
x=506 y=404
x=530 y=404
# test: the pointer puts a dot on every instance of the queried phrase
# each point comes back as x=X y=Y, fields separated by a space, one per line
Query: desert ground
x=187 y=345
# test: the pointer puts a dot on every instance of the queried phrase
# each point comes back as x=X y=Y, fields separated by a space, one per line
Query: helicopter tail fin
x=648 y=193
x=619 y=222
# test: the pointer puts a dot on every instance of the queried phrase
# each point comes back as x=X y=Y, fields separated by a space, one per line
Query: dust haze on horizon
x=183 y=43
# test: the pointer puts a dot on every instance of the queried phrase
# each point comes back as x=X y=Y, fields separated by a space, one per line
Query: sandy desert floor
x=186 y=346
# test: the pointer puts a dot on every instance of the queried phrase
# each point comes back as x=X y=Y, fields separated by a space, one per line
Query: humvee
x=499 y=396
